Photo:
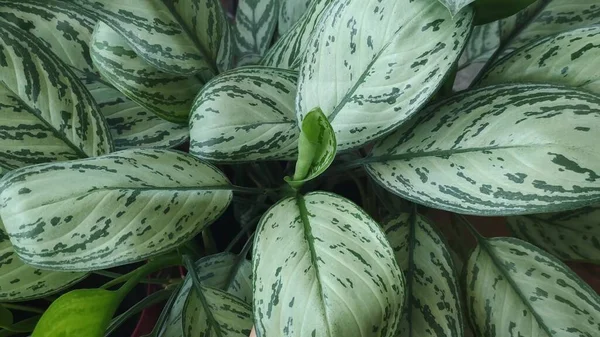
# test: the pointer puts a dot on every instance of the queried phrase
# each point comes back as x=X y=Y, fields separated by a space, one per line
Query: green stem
x=361 y=190
x=149 y=268
x=21 y=307
x=469 y=226
x=244 y=230
x=210 y=246
x=112 y=275
x=238 y=262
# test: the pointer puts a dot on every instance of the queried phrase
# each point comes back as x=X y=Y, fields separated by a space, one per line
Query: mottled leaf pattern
x=244 y=115
x=455 y=6
x=433 y=304
x=182 y=37
x=255 y=23
x=509 y=149
x=565 y=59
x=20 y=282
x=573 y=235
x=290 y=11
x=131 y=125
x=50 y=89
x=389 y=58
x=168 y=96
x=516 y=289
x=310 y=253
x=288 y=51
x=229 y=314
x=115 y=209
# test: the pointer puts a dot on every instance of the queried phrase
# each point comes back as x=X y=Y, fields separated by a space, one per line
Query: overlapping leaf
x=433 y=307
x=573 y=235
x=310 y=253
x=168 y=96
x=374 y=71
x=289 y=50
x=290 y=11
x=514 y=288
x=508 y=149
x=255 y=23
x=245 y=115
x=52 y=93
x=455 y=6
x=182 y=37
x=110 y=210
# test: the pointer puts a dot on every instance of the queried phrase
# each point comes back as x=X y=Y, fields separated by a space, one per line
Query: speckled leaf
x=168 y=96
x=455 y=6
x=433 y=304
x=245 y=115
x=290 y=11
x=255 y=23
x=61 y=26
x=378 y=68
x=181 y=37
x=215 y=271
x=310 y=253
x=52 y=91
x=509 y=149
x=288 y=51
x=566 y=59
x=131 y=125
x=115 y=209
x=317 y=148
x=516 y=289
x=556 y=16
x=20 y=282
x=573 y=235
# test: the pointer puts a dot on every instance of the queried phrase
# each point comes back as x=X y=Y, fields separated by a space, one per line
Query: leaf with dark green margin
x=487 y=11
x=573 y=235
x=317 y=148
x=255 y=22
x=81 y=312
x=114 y=210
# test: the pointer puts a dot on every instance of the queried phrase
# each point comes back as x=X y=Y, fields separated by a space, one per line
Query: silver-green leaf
x=503 y=150
x=290 y=11
x=455 y=6
x=255 y=23
x=433 y=294
x=245 y=115
x=110 y=210
x=573 y=235
x=515 y=288
x=378 y=68
x=323 y=267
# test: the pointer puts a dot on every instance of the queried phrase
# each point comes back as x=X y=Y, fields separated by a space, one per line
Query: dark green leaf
x=487 y=11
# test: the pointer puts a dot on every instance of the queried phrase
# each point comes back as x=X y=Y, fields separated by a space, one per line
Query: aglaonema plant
x=275 y=172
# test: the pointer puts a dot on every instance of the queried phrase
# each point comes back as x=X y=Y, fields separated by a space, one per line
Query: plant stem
x=131 y=279
x=244 y=230
x=21 y=307
x=113 y=275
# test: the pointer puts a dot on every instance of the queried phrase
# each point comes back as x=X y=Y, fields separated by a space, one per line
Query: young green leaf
x=487 y=11
x=246 y=115
x=168 y=96
x=431 y=282
x=255 y=23
x=322 y=256
x=290 y=12
x=317 y=147
x=573 y=235
x=81 y=312
x=515 y=288
x=181 y=37
x=58 y=102
x=504 y=150
x=373 y=72
x=115 y=209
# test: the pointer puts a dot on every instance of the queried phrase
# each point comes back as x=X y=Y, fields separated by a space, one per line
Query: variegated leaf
x=503 y=150
x=290 y=11
x=378 y=68
x=288 y=51
x=131 y=125
x=245 y=115
x=556 y=16
x=455 y=6
x=322 y=267
x=255 y=23
x=168 y=96
x=573 y=235
x=433 y=303
x=51 y=91
x=516 y=289
x=181 y=37
x=20 y=282
x=220 y=271
x=61 y=27
x=564 y=59
x=112 y=210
